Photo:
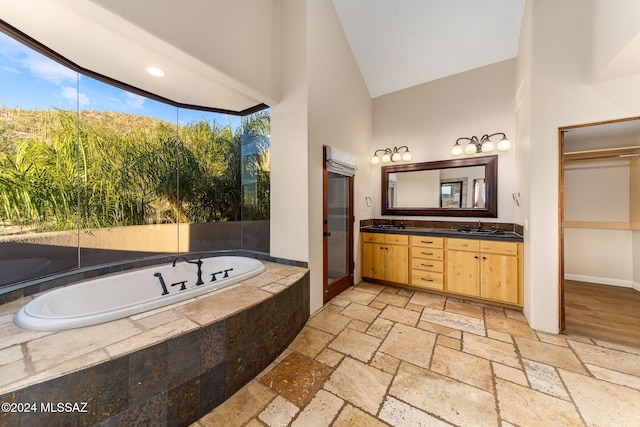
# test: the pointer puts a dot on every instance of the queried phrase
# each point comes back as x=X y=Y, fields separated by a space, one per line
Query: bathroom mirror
x=458 y=187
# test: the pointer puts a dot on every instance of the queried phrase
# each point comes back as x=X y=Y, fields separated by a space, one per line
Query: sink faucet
x=479 y=225
x=198 y=263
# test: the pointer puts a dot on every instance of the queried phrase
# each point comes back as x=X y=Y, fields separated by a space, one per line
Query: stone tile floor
x=379 y=356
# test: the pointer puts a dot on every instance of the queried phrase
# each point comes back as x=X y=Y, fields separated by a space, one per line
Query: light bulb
x=386 y=158
x=375 y=160
x=504 y=145
x=470 y=148
x=406 y=156
x=487 y=146
x=456 y=150
x=396 y=157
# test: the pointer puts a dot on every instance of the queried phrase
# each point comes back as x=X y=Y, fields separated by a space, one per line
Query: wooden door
x=337 y=232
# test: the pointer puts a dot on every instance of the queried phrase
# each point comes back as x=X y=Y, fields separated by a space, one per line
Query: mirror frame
x=491 y=179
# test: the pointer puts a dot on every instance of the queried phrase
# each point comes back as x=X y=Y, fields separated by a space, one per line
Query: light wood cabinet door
x=385 y=261
x=499 y=277
x=397 y=264
x=373 y=259
x=463 y=272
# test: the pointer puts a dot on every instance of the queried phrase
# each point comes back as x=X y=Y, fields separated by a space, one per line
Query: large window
x=91 y=173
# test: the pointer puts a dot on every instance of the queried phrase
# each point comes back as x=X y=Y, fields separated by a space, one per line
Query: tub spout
x=198 y=263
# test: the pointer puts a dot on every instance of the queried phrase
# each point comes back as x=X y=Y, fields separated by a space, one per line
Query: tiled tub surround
x=169 y=366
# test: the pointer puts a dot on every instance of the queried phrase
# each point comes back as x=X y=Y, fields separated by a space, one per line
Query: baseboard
x=603 y=281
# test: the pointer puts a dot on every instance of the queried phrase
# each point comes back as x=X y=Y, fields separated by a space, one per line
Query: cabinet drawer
x=396 y=239
x=427 y=279
x=427 y=264
x=373 y=237
x=427 y=253
x=463 y=244
x=503 y=248
x=426 y=241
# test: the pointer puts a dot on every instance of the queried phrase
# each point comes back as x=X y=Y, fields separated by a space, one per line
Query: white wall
x=323 y=101
x=430 y=117
x=597 y=193
x=339 y=116
x=613 y=54
x=552 y=61
x=418 y=188
x=289 y=140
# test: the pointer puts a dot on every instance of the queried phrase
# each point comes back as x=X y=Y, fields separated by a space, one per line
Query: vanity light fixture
x=483 y=145
x=391 y=155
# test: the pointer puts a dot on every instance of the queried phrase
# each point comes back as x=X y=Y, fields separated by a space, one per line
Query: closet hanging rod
x=603 y=150
x=613 y=156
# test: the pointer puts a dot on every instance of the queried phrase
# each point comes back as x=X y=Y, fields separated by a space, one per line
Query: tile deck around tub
x=29 y=357
x=383 y=356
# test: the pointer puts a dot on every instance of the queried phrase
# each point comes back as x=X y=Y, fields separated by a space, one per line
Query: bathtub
x=113 y=297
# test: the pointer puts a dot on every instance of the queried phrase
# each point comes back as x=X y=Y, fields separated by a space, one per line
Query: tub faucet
x=198 y=263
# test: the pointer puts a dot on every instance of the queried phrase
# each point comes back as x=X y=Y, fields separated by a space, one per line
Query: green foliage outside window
x=61 y=170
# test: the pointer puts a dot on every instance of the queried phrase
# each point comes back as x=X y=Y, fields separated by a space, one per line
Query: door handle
x=326 y=233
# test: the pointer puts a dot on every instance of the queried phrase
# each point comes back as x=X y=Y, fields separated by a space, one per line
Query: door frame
x=561 y=133
x=561 y=314
x=344 y=282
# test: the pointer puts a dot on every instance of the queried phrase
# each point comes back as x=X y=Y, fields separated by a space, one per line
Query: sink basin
x=390 y=227
x=471 y=231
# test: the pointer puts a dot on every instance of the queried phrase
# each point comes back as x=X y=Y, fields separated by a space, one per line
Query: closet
x=601 y=231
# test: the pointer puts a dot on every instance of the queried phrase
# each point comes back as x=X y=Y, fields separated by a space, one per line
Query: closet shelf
x=602 y=154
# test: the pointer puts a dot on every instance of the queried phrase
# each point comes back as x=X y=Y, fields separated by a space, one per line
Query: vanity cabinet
x=385 y=257
x=488 y=270
x=485 y=268
x=427 y=262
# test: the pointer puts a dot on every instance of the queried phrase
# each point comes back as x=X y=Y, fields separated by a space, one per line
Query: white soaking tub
x=116 y=296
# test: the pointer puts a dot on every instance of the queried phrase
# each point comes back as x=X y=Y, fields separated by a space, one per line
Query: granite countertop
x=506 y=236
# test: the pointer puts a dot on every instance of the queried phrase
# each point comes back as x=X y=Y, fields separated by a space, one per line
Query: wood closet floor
x=600 y=311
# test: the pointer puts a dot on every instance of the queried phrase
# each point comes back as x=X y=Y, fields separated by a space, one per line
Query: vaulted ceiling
x=399 y=44
x=396 y=44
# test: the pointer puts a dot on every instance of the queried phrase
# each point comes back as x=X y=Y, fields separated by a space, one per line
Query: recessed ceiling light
x=155 y=71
